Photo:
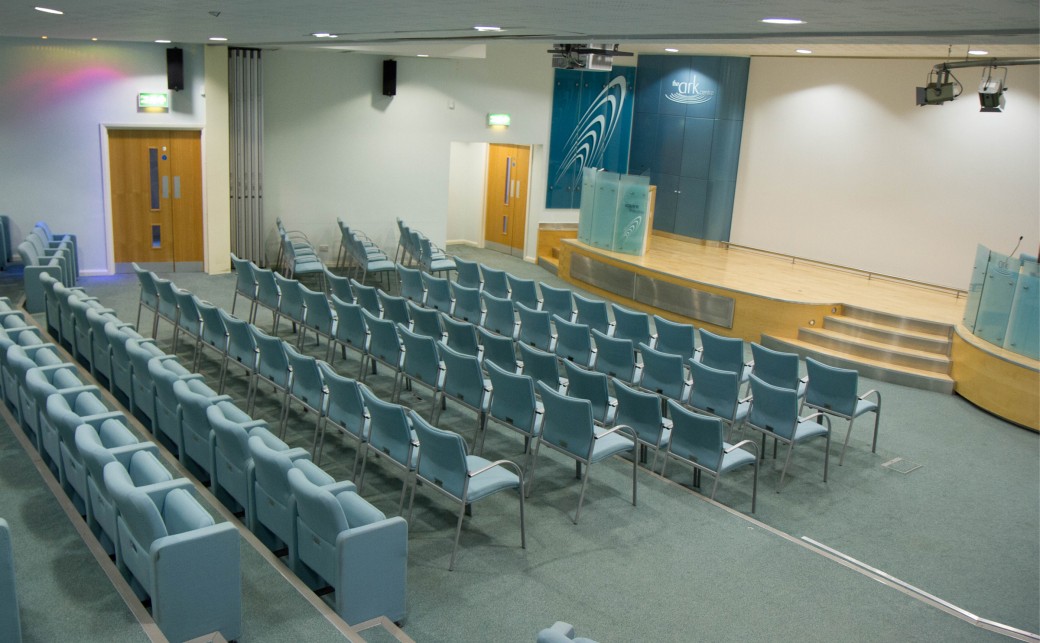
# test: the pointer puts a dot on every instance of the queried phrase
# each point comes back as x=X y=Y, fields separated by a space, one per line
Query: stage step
x=867 y=367
x=887 y=334
x=883 y=352
x=898 y=323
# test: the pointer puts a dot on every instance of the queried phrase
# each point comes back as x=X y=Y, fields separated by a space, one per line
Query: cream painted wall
x=217 y=162
x=838 y=164
x=467 y=183
x=56 y=96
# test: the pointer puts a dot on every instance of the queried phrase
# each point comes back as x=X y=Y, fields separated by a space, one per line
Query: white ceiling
x=918 y=28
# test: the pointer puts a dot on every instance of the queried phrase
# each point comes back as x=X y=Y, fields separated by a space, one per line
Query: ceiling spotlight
x=46 y=10
x=487 y=28
x=671 y=50
x=783 y=21
x=218 y=39
x=422 y=55
x=93 y=39
x=803 y=51
x=991 y=91
x=977 y=52
x=163 y=42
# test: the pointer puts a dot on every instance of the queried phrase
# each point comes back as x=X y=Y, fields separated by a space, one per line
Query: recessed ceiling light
x=803 y=51
x=93 y=39
x=163 y=42
x=487 y=28
x=671 y=50
x=977 y=52
x=783 y=21
x=423 y=55
x=218 y=38
x=46 y=10
x=44 y=37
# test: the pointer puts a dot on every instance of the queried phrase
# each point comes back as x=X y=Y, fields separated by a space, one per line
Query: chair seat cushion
x=808 y=429
x=492 y=480
x=864 y=406
x=357 y=510
x=608 y=445
x=182 y=513
x=735 y=459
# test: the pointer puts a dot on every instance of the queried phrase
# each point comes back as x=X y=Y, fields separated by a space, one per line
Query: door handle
x=505 y=223
x=509 y=169
x=176 y=187
x=165 y=187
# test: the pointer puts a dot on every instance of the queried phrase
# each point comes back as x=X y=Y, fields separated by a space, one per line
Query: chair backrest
x=272 y=463
x=615 y=357
x=425 y=321
x=663 y=373
x=149 y=295
x=411 y=283
x=344 y=404
x=241 y=345
x=463 y=377
x=267 y=292
x=497 y=349
x=557 y=301
x=523 y=291
x=306 y=384
x=389 y=431
x=214 y=330
x=317 y=311
x=318 y=509
x=167 y=297
x=714 y=390
x=573 y=341
x=495 y=282
x=535 y=327
x=831 y=388
x=350 y=325
x=541 y=366
x=245 y=283
x=188 y=317
x=779 y=369
x=467 y=273
x=438 y=292
x=421 y=361
x=567 y=423
x=724 y=353
x=291 y=303
x=366 y=297
x=272 y=362
x=639 y=410
x=384 y=343
x=675 y=338
x=460 y=335
x=442 y=456
x=467 y=303
x=498 y=313
x=631 y=324
x=696 y=437
x=589 y=385
x=773 y=408
x=394 y=308
x=231 y=436
x=339 y=286
x=593 y=313
x=513 y=399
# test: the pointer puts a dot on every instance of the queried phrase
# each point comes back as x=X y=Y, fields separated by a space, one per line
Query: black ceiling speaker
x=175 y=68
x=389 y=78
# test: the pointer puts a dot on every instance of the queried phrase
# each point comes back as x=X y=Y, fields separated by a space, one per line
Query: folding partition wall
x=245 y=89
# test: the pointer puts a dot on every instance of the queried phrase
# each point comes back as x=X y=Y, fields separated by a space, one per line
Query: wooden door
x=156 y=194
x=505 y=222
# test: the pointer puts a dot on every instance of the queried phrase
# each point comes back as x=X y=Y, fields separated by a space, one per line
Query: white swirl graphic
x=588 y=142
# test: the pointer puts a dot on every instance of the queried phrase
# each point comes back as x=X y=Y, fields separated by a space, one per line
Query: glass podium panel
x=997 y=294
x=630 y=231
x=604 y=210
x=978 y=279
x=1023 y=331
x=588 y=197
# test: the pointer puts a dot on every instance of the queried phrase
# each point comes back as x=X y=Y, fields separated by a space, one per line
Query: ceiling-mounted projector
x=991 y=91
x=585 y=57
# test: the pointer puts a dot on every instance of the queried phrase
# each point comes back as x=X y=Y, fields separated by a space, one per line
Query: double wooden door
x=156 y=191
x=505 y=222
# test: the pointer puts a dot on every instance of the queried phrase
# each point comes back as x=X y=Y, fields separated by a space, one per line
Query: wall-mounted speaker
x=175 y=68
x=389 y=78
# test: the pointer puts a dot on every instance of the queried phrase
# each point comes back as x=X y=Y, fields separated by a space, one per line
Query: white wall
x=55 y=96
x=467 y=185
x=838 y=164
x=334 y=146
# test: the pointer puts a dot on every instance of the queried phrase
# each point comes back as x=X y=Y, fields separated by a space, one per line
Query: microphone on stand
x=1017 y=245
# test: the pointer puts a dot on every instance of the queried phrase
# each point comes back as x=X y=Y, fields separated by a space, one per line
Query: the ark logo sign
x=689 y=93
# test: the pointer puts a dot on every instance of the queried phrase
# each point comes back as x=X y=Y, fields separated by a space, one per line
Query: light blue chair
x=267 y=294
x=167 y=305
x=165 y=372
x=391 y=435
x=466 y=306
x=121 y=381
x=459 y=335
x=290 y=304
x=241 y=349
x=594 y=387
x=275 y=522
x=37 y=374
x=835 y=391
x=724 y=354
x=568 y=428
x=467 y=273
x=394 y=308
x=189 y=320
x=410 y=284
x=317 y=317
x=774 y=413
x=272 y=367
x=83 y=345
x=574 y=342
x=421 y=365
x=351 y=331
x=194 y=400
x=345 y=412
x=174 y=553
x=438 y=293
x=642 y=411
x=234 y=472
x=557 y=301
x=697 y=440
x=354 y=548
x=542 y=367
x=432 y=259
x=499 y=316
x=593 y=313
x=717 y=392
x=664 y=374
x=535 y=328
x=306 y=387
x=464 y=382
x=65 y=411
x=777 y=368
x=633 y=325
x=425 y=321
x=445 y=467
x=497 y=349
x=214 y=333
x=10 y=621
x=495 y=282
x=524 y=291
x=367 y=297
x=384 y=345
x=142 y=386
x=515 y=406
x=245 y=283
x=339 y=286
x=616 y=357
x=149 y=297
x=675 y=338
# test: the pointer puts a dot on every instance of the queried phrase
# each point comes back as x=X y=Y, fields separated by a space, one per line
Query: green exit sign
x=498 y=120
x=153 y=102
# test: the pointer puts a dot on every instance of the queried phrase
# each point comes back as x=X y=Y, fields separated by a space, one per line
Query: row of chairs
x=44 y=252
x=166 y=545
x=297 y=257
x=415 y=249
x=246 y=465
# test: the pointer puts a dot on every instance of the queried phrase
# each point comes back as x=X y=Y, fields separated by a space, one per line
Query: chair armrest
x=98 y=418
x=157 y=492
x=743 y=443
x=314 y=473
x=124 y=453
x=876 y=393
x=70 y=393
x=373 y=565
x=340 y=486
x=818 y=416
x=509 y=464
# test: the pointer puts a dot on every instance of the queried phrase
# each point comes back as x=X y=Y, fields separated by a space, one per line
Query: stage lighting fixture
x=991 y=91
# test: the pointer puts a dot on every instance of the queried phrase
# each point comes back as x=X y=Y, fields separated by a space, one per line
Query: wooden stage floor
x=794 y=280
